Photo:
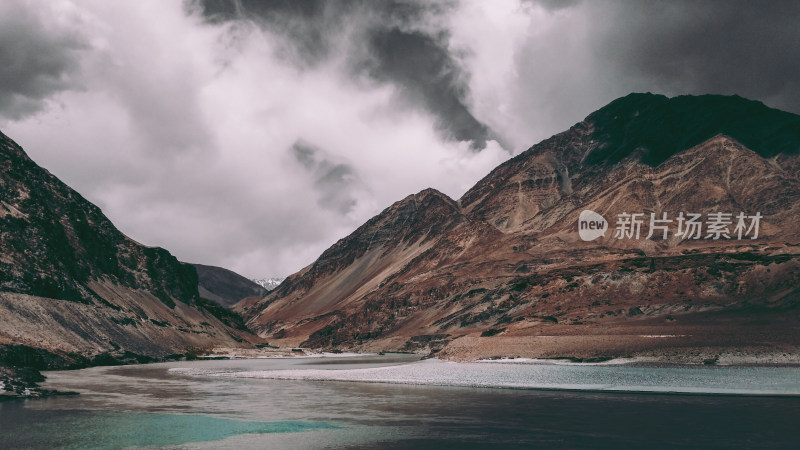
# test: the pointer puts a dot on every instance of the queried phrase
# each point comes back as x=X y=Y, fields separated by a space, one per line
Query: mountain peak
x=425 y=196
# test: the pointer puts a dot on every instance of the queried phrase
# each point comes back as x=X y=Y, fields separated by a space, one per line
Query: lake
x=395 y=402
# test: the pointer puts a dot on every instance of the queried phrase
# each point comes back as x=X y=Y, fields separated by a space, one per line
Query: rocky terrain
x=503 y=271
x=75 y=291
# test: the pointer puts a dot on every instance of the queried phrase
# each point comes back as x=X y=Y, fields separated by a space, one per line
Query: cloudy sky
x=254 y=134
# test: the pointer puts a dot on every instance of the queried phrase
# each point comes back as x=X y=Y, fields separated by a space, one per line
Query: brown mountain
x=75 y=291
x=225 y=287
x=503 y=271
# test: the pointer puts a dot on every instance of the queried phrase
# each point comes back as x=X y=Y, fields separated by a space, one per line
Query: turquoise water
x=112 y=430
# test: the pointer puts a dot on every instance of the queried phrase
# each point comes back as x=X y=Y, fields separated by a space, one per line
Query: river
x=395 y=401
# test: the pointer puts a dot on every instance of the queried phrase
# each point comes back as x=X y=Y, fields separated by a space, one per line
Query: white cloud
x=184 y=132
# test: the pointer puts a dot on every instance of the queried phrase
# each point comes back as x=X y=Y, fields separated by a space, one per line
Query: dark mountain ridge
x=660 y=126
x=225 y=287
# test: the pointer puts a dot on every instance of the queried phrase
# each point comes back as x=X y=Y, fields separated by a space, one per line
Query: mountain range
x=503 y=271
x=656 y=227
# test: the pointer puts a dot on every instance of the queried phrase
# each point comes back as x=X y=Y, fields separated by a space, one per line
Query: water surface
x=193 y=405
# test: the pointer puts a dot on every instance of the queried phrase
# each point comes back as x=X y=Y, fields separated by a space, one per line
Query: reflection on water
x=123 y=406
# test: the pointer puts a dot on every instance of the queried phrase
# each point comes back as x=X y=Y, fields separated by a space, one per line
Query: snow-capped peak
x=269 y=283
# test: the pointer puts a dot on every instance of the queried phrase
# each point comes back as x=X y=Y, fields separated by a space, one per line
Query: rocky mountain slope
x=225 y=287
x=504 y=272
x=75 y=291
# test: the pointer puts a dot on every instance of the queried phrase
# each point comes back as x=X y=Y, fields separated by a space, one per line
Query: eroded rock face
x=76 y=288
x=506 y=259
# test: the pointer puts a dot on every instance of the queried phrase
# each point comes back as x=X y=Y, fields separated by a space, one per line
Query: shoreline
x=718 y=358
x=22 y=383
x=634 y=362
x=609 y=378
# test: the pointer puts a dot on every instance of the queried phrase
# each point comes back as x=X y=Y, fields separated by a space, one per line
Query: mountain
x=225 y=287
x=503 y=271
x=75 y=291
x=269 y=283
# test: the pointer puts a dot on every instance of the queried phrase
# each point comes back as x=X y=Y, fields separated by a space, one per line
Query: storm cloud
x=722 y=47
x=254 y=134
x=402 y=43
x=40 y=57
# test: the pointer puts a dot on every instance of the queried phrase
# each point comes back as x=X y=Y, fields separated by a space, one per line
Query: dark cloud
x=335 y=183
x=427 y=75
x=37 y=60
x=720 y=47
x=306 y=25
x=405 y=43
x=553 y=5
